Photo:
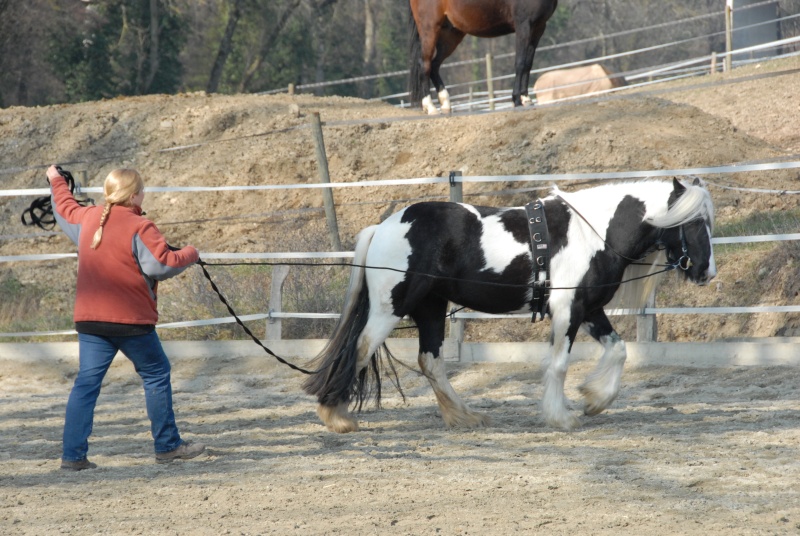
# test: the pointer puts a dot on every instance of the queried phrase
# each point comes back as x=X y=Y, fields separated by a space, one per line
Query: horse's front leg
x=554 y=402
x=527 y=39
x=602 y=385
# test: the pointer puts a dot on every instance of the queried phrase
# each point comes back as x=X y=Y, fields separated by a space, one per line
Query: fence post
x=489 y=82
x=327 y=193
x=728 y=34
x=456 y=325
x=713 y=62
x=646 y=327
x=291 y=89
x=279 y=274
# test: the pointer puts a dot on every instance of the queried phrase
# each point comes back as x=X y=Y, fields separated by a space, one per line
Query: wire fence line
x=283 y=256
x=621 y=33
x=475 y=107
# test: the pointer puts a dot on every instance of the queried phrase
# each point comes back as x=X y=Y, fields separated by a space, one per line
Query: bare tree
x=154 y=52
x=267 y=44
x=225 y=46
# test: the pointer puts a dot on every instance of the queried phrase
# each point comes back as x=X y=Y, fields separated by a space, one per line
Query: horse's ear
x=678 y=185
x=697 y=182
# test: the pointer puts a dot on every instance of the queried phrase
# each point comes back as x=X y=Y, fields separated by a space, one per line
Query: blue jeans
x=149 y=360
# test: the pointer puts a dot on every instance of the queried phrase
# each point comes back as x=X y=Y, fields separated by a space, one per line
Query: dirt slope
x=196 y=139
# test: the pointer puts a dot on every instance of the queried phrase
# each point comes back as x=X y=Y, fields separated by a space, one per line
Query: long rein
x=684 y=262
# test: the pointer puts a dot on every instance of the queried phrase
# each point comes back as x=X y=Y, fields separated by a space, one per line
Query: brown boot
x=185 y=451
x=79 y=465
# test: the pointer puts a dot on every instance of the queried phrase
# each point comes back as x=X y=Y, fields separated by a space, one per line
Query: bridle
x=684 y=262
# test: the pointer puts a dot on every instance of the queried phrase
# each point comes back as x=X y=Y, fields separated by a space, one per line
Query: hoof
x=466 y=419
x=594 y=403
x=428 y=106
x=566 y=422
x=337 y=418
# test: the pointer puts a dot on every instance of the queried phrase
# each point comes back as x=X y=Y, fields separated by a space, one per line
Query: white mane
x=695 y=203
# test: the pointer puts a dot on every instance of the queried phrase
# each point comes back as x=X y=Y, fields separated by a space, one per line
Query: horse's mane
x=694 y=203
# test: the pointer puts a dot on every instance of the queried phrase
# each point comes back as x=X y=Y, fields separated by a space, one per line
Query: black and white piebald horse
x=480 y=257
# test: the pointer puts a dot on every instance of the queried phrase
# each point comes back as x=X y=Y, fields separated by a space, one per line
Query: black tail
x=416 y=82
x=338 y=380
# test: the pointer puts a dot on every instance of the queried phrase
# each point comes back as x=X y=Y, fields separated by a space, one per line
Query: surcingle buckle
x=540 y=251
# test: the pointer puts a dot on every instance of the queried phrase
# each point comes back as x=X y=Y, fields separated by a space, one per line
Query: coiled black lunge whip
x=41 y=210
x=222 y=298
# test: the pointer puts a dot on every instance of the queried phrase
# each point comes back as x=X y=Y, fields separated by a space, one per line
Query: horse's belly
x=480 y=19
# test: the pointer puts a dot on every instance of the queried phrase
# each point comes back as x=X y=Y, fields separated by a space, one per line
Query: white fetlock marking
x=554 y=405
x=602 y=386
x=554 y=402
x=526 y=100
x=444 y=100
x=455 y=412
x=427 y=105
x=337 y=418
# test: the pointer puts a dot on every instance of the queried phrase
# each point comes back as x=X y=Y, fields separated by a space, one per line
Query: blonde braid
x=118 y=187
x=98 y=235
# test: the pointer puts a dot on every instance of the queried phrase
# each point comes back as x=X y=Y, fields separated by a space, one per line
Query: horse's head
x=688 y=245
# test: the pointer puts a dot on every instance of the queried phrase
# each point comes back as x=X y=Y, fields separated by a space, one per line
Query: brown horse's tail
x=417 y=88
x=338 y=381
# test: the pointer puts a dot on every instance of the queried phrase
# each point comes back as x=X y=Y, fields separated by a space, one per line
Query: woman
x=121 y=258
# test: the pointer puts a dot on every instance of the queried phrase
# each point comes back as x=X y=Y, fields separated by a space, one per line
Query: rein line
x=245 y=328
x=684 y=262
x=667 y=268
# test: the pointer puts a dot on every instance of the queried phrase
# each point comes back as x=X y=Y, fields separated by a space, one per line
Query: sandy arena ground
x=691 y=451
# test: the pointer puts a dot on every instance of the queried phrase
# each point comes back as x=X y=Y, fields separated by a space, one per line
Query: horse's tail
x=639 y=281
x=336 y=382
x=416 y=85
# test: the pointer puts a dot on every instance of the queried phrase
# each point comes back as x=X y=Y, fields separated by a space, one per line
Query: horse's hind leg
x=449 y=39
x=602 y=385
x=430 y=320
x=337 y=418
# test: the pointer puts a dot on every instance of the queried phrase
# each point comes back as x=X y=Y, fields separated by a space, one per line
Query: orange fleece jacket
x=118 y=281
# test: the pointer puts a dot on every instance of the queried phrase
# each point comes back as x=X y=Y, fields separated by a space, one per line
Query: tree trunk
x=154 y=52
x=252 y=69
x=368 y=65
x=225 y=46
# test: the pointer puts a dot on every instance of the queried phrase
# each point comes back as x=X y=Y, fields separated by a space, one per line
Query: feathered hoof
x=567 y=421
x=337 y=418
x=466 y=419
x=594 y=403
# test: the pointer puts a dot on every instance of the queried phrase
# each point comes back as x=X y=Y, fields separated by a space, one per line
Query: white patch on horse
x=499 y=246
x=389 y=249
x=712 y=264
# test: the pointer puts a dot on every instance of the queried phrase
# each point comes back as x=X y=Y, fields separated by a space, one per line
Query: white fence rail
x=272 y=316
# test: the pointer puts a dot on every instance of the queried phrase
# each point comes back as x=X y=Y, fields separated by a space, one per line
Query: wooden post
x=457 y=326
x=327 y=193
x=728 y=34
x=279 y=274
x=713 y=62
x=646 y=327
x=489 y=82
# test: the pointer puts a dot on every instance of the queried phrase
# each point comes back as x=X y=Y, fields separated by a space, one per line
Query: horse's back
x=483 y=18
x=475 y=256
